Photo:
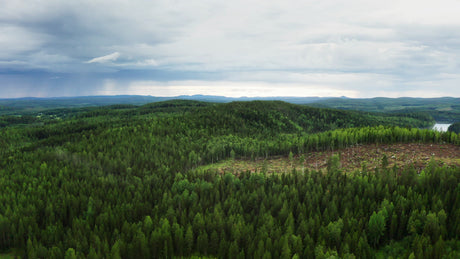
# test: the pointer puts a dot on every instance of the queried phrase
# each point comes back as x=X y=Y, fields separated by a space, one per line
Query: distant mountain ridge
x=34 y=104
x=444 y=109
x=148 y=98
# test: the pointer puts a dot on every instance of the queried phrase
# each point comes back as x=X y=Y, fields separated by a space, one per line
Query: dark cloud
x=357 y=48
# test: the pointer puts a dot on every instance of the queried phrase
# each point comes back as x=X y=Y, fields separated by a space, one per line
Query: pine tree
x=69 y=254
x=189 y=241
x=376 y=227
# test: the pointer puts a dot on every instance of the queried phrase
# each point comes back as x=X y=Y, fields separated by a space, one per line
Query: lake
x=441 y=127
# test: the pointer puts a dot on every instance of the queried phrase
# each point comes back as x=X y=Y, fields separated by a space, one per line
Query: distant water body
x=441 y=127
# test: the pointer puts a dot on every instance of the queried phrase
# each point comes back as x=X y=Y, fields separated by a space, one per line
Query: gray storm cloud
x=365 y=48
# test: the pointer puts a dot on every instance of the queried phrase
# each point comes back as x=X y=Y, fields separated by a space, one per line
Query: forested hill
x=255 y=117
x=446 y=109
x=272 y=116
x=277 y=116
x=241 y=117
x=127 y=181
x=31 y=105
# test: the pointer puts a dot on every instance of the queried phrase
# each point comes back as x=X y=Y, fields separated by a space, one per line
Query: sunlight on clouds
x=233 y=89
x=111 y=57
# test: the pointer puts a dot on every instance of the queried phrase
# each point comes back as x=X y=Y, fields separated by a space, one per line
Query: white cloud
x=345 y=45
x=104 y=59
x=147 y=63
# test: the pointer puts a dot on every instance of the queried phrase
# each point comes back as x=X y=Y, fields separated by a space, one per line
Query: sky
x=354 y=48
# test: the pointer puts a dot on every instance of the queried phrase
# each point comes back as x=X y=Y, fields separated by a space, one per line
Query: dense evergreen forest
x=126 y=181
x=33 y=105
x=455 y=127
x=445 y=109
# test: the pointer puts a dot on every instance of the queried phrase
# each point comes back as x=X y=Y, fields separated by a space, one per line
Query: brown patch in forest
x=352 y=158
x=402 y=155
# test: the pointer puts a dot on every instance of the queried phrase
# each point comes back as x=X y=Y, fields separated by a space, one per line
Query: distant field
x=351 y=159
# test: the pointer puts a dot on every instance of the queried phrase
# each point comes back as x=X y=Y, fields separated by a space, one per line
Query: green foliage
x=384 y=161
x=70 y=254
x=455 y=127
x=122 y=182
x=334 y=163
x=446 y=109
x=376 y=227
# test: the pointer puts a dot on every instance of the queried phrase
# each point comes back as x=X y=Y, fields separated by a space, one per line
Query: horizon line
x=221 y=96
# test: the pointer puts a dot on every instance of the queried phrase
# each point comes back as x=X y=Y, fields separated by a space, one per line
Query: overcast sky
x=231 y=48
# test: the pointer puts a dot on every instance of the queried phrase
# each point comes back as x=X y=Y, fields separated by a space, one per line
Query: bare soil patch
x=351 y=159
